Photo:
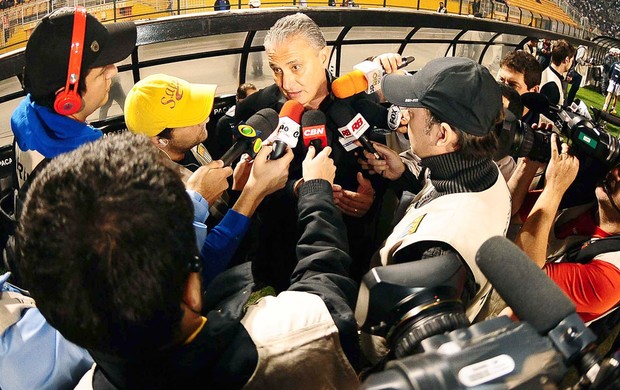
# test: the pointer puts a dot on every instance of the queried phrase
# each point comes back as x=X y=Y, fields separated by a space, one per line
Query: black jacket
x=223 y=355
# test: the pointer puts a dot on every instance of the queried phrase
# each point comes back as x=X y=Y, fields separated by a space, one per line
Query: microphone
x=288 y=128
x=607 y=117
x=366 y=77
x=531 y=294
x=536 y=299
x=351 y=126
x=377 y=115
x=251 y=135
x=313 y=129
x=374 y=113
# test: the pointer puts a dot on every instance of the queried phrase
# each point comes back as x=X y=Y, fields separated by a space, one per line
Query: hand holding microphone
x=319 y=166
x=366 y=77
x=210 y=180
x=251 y=135
x=288 y=128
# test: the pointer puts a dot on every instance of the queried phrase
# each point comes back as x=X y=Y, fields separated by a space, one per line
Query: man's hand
x=241 y=173
x=404 y=121
x=319 y=166
x=269 y=176
x=562 y=168
x=210 y=180
x=355 y=204
x=390 y=166
x=389 y=62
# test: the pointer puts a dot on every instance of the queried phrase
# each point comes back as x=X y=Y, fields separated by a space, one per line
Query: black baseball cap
x=456 y=90
x=47 y=50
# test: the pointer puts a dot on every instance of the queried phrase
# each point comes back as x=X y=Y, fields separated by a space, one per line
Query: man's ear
x=324 y=56
x=192 y=294
x=446 y=137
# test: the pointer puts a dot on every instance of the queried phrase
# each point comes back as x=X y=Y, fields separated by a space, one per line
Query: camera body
x=482 y=356
x=586 y=138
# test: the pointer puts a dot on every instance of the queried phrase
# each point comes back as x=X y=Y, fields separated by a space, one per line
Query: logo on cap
x=173 y=92
x=408 y=100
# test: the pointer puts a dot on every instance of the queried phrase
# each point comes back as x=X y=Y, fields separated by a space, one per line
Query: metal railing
x=19 y=20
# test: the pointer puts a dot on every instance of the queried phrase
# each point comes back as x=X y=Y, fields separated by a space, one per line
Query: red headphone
x=68 y=101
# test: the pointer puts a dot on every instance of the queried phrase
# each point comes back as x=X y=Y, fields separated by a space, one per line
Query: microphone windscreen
x=536 y=102
x=607 y=117
x=374 y=113
x=531 y=294
x=292 y=109
x=341 y=113
x=349 y=84
x=313 y=118
x=264 y=122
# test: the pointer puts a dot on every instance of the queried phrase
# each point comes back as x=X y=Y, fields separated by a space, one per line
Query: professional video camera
x=495 y=354
x=586 y=138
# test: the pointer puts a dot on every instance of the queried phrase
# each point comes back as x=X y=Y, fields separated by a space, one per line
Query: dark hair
x=522 y=62
x=242 y=91
x=561 y=50
x=104 y=244
x=472 y=147
x=48 y=100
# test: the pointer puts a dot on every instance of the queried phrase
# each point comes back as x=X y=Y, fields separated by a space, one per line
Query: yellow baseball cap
x=160 y=101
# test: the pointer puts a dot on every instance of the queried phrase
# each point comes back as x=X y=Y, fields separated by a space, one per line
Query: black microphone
x=607 y=117
x=375 y=113
x=313 y=130
x=251 y=134
x=351 y=126
x=531 y=294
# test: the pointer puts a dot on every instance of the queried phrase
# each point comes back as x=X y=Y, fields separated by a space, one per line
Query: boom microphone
x=366 y=77
x=288 y=128
x=251 y=135
x=607 y=117
x=313 y=129
x=531 y=294
x=351 y=126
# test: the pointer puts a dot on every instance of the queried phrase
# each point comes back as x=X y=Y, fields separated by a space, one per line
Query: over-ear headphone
x=68 y=101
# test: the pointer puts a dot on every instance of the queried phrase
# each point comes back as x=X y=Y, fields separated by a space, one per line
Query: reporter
x=577 y=247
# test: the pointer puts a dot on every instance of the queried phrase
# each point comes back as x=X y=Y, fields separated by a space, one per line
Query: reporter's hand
x=390 y=166
x=562 y=168
x=269 y=176
x=241 y=174
x=355 y=203
x=404 y=121
x=319 y=166
x=210 y=180
x=389 y=62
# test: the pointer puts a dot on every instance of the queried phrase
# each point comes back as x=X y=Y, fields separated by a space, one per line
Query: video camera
x=426 y=316
x=587 y=138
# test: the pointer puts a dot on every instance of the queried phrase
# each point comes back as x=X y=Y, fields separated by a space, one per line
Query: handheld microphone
x=351 y=126
x=366 y=77
x=251 y=135
x=376 y=115
x=288 y=128
x=313 y=129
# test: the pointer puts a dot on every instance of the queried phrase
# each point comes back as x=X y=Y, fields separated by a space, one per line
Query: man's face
x=422 y=133
x=98 y=81
x=513 y=79
x=183 y=139
x=299 y=71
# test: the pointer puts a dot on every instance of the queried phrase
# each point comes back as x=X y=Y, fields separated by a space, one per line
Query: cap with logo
x=47 y=50
x=457 y=90
x=159 y=101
